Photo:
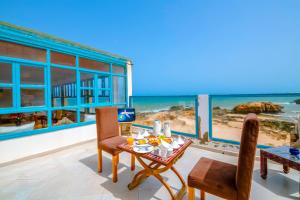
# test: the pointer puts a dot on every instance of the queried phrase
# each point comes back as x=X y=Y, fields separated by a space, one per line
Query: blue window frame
x=53 y=96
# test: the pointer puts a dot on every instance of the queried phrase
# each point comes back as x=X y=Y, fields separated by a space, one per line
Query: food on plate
x=154 y=141
x=168 y=140
x=142 y=141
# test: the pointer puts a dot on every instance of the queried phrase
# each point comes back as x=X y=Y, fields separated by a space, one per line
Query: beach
x=273 y=130
x=181 y=119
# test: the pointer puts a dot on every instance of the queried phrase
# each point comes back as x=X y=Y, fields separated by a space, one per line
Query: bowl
x=294 y=151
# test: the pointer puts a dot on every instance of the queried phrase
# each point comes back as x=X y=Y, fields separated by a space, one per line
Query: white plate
x=144 y=148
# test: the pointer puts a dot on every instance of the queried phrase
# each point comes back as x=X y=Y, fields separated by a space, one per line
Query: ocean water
x=290 y=108
x=159 y=103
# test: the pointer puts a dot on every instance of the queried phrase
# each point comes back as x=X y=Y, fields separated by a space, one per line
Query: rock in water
x=297 y=101
x=257 y=107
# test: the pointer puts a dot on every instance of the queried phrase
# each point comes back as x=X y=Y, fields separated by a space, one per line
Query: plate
x=144 y=148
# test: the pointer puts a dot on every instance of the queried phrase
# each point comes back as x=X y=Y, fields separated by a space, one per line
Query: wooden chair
x=226 y=180
x=108 y=138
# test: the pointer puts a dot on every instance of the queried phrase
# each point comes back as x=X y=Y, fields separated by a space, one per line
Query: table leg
x=286 y=168
x=153 y=169
x=263 y=165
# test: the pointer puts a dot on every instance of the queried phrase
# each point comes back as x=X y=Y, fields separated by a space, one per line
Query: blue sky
x=182 y=47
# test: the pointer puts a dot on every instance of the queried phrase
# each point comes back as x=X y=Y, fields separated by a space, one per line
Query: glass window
x=32 y=75
x=19 y=122
x=118 y=69
x=32 y=97
x=6 y=73
x=20 y=51
x=103 y=82
x=103 y=96
x=6 y=99
x=94 y=65
x=87 y=96
x=86 y=80
x=62 y=59
x=63 y=87
x=87 y=114
x=62 y=117
x=119 y=89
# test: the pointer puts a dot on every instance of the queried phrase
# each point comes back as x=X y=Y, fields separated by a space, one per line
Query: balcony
x=72 y=174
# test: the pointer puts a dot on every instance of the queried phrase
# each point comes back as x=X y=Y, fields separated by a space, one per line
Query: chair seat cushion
x=214 y=177
x=110 y=145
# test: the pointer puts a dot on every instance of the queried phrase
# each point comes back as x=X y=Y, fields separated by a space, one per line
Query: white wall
x=129 y=79
x=203 y=113
x=27 y=146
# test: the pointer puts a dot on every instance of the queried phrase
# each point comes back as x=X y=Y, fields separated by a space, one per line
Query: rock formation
x=257 y=107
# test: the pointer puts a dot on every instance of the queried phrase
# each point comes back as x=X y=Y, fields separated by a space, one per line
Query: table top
x=150 y=156
x=282 y=152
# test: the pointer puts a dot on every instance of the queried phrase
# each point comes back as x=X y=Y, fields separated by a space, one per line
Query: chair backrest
x=247 y=156
x=107 y=122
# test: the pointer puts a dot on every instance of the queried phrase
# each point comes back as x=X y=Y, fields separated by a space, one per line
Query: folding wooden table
x=157 y=166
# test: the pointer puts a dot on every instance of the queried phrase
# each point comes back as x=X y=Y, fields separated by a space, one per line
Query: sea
x=160 y=103
x=290 y=110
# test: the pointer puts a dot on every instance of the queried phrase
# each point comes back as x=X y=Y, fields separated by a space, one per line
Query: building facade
x=50 y=86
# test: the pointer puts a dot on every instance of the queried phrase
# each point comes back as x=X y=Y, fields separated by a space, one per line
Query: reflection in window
x=103 y=82
x=86 y=79
x=87 y=114
x=62 y=59
x=32 y=97
x=94 y=65
x=119 y=89
x=63 y=87
x=32 y=75
x=6 y=73
x=87 y=96
x=103 y=96
x=20 y=122
x=118 y=69
x=62 y=117
x=20 y=51
x=6 y=97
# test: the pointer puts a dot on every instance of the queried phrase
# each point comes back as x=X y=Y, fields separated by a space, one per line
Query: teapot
x=156 y=127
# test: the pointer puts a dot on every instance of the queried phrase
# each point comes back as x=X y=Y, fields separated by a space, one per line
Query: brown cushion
x=107 y=122
x=110 y=145
x=214 y=177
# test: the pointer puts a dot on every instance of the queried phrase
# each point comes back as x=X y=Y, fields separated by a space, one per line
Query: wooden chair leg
x=132 y=162
x=191 y=193
x=99 y=159
x=202 y=194
x=115 y=159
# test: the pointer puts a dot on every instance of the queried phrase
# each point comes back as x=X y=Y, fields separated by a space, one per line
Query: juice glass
x=130 y=141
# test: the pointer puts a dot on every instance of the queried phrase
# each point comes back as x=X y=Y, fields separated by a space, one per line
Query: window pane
x=119 y=89
x=63 y=87
x=61 y=117
x=94 y=65
x=86 y=79
x=19 y=122
x=6 y=98
x=118 y=69
x=32 y=97
x=103 y=96
x=87 y=114
x=103 y=82
x=32 y=75
x=87 y=96
x=21 y=51
x=6 y=73
x=62 y=59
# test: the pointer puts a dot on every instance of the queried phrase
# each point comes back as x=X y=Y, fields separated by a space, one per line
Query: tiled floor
x=72 y=174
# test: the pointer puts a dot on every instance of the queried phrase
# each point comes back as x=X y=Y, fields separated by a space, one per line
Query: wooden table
x=280 y=155
x=157 y=166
